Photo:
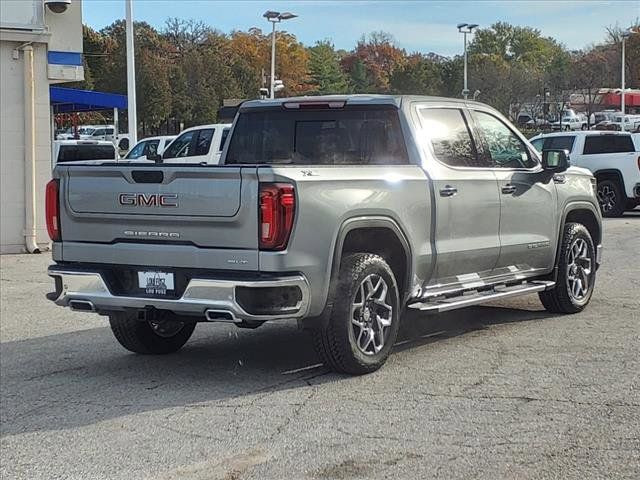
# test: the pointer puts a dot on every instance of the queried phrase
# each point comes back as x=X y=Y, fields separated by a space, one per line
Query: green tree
x=324 y=69
x=359 y=78
x=419 y=76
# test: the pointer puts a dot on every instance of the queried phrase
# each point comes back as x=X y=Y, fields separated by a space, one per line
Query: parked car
x=90 y=132
x=65 y=151
x=338 y=212
x=202 y=144
x=612 y=157
x=603 y=116
x=150 y=147
x=570 y=121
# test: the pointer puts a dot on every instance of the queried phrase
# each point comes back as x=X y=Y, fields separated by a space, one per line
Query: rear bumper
x=211 y=299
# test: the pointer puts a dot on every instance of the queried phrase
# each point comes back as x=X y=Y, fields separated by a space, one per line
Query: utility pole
x=131 y=77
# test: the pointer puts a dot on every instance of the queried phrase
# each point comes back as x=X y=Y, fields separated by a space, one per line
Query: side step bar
x=473 y=297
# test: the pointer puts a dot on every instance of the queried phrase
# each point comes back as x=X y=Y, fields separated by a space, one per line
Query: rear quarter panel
x=328 y=197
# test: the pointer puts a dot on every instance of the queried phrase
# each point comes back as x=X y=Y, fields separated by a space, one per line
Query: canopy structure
x=70 y=100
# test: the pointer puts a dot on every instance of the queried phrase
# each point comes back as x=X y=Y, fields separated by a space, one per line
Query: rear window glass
x=349 y=136
x=74 y=153
x=595 y=144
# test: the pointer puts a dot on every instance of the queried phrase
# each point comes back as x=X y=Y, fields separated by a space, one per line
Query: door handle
x=508 y=188
x=448 y=191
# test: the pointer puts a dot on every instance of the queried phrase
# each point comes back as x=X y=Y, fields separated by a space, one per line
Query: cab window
x=448 y=132
x=503 y=147
x=181 y=146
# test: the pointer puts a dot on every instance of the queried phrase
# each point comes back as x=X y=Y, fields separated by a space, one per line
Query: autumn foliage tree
x=185 y=70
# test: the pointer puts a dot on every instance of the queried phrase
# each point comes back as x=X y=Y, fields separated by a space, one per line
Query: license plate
x=155 y=283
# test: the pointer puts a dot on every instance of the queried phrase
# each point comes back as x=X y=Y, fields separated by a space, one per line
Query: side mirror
x=555 y=160
x=154 y=157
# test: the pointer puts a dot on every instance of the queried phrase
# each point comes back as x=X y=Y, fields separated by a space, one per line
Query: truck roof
x=356 y=99
x=577 y=133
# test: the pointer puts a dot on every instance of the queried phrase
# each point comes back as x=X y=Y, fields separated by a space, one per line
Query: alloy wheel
x=606 y=197
x=579 y=269
x=371 y=315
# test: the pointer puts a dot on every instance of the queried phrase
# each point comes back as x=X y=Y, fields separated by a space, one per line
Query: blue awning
x=68 y=100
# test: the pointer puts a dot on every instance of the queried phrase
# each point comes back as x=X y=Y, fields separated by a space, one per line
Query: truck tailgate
x=184 y=214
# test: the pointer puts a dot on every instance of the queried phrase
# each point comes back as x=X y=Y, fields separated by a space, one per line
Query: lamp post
x=131 y=78
x=275 y=17
x=465 y=28
x=626 y=34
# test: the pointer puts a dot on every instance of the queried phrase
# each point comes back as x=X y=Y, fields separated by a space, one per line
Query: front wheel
x=364 y=323
x=576 y=272
x=160 y=335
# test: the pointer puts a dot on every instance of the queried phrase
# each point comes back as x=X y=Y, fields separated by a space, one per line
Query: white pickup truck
x=201 y=144
x=612 y=157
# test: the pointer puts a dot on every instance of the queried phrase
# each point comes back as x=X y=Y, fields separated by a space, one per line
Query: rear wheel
x=364 y=323
x=576 y=272
x=611 y=198
x=164 y=333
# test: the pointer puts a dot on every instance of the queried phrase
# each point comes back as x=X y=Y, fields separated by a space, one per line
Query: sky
x=417 y=26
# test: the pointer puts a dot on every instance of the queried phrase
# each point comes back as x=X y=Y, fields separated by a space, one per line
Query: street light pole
x=131 y=77
x=465 y=28
x=275 y=17
x=273 y=60
x=465 y=90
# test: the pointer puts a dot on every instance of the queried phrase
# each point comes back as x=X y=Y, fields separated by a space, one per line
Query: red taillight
x=52 y=210
x=277 y=209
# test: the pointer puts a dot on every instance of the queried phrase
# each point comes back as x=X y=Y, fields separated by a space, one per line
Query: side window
x=504 y=147
x=225 y=134
x=594 y=144
x=137 y=151
x=204 y=142
x=449 y=135
x=559 y=143
x=538 y=144
x=98 y=133
x=181 y=146
x=152 y=147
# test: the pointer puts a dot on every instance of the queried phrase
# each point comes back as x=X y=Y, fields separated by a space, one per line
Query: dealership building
x=40 y=45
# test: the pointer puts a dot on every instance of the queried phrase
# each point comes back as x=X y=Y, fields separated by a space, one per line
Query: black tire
x=139 y=336
x=336 y=343
x=560 y=299
x=611 y=198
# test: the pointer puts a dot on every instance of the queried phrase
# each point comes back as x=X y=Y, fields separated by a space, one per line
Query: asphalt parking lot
x=500 y=391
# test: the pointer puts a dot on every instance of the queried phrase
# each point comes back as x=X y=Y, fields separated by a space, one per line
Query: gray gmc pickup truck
x=339 y=212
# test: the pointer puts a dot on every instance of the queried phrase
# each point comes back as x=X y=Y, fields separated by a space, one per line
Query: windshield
x=346 y=136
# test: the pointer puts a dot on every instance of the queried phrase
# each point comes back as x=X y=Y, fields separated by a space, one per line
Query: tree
x=379 y=56
x=418 y=76
x=359 y=78
x=324 y=69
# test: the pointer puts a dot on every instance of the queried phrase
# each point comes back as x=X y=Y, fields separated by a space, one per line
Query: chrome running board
x=474 y=297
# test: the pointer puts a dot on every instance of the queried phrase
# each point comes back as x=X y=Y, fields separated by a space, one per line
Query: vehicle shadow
x=81 y=378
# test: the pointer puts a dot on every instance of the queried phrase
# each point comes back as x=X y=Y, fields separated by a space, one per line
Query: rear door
x=467 y=204
x=528 y=199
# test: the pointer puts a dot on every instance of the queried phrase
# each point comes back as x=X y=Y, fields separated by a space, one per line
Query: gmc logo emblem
x=148 y=199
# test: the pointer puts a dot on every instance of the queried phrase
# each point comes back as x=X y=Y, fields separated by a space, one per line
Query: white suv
x=612 y=157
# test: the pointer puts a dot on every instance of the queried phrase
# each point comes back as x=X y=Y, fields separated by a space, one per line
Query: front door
x=467 y=203
x=528 y=199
